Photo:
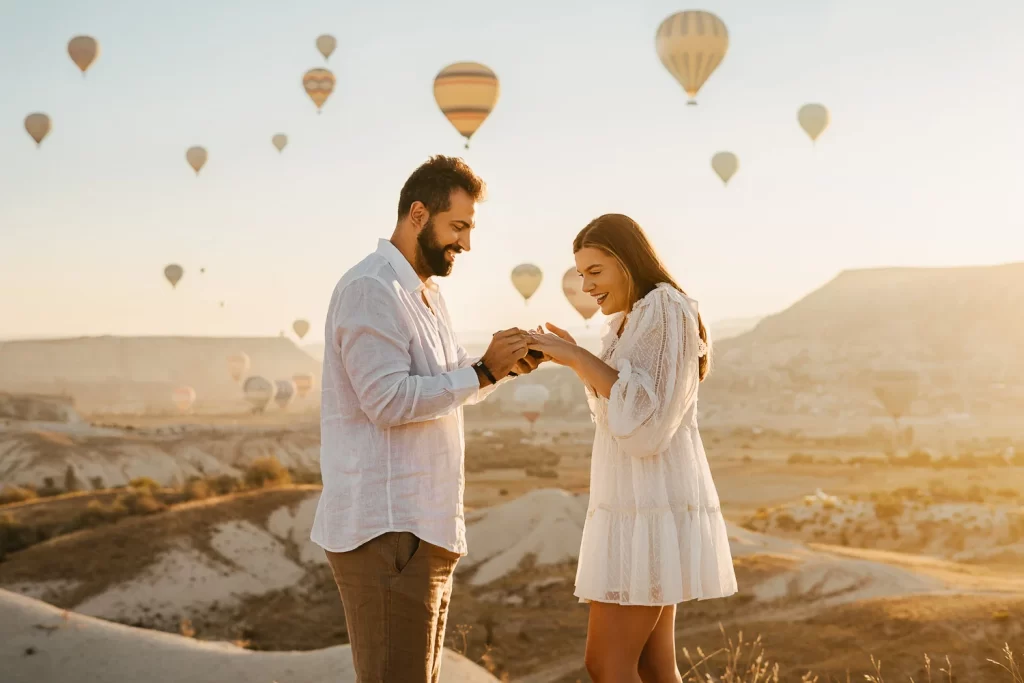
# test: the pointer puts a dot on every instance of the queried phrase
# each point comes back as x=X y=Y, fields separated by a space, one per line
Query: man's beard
x=432 y=252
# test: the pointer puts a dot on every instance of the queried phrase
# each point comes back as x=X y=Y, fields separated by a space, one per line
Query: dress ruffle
x=659 y=556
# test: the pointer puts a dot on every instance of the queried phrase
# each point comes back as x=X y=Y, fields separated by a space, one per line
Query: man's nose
x=464 y=242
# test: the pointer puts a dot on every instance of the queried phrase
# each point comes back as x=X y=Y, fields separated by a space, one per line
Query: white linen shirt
x=392 y=444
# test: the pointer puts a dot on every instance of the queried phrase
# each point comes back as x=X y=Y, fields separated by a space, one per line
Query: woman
x=654 y=534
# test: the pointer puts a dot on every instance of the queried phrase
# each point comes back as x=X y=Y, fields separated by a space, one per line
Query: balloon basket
x=691 y=103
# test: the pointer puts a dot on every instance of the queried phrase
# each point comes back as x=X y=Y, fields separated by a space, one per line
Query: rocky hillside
x=960 y=330
x=138 y=374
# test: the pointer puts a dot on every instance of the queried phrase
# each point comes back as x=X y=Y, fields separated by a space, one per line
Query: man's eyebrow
x=462 y=224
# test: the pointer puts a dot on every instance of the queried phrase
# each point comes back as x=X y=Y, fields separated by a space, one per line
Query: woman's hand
x=557 y=346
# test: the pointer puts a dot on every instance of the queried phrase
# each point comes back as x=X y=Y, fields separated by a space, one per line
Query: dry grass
x=740 y=661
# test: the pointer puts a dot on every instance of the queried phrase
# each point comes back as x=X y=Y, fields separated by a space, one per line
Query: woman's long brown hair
x=622 y=238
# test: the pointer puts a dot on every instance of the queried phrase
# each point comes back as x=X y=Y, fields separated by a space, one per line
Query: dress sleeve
x=647 y=403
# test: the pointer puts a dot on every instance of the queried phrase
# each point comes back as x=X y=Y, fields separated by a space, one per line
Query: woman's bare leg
x=616 y=635
x=658 y=659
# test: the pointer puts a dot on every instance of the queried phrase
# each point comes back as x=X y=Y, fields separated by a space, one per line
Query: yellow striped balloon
x=319 y=84
x=466 y=92
x=691 y=45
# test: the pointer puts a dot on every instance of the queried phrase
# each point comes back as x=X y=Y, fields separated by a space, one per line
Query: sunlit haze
x=920 y=166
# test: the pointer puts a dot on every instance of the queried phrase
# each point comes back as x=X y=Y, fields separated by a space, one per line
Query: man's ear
x=419 y=215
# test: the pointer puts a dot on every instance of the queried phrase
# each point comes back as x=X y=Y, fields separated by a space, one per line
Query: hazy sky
x=922 y=164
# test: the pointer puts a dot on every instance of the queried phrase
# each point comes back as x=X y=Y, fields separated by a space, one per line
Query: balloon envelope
x=303 y=383
x=38 y=126
x=572 y=287
x=196 y=158
x=530 y=398
x=301 y=327
x=284 y=392
x=691 y=45
x=183 y=398
x=258 y=391
x=526 y=278
x=319 y=84
x=725 y=165
x=173 y=274
x=238 y=364
x=83 y=51
x=280 y=141
x=326 y=44
x=466 y=93
x=814 y=119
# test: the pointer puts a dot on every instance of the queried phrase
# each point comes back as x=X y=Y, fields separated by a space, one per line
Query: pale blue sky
x=922 y=164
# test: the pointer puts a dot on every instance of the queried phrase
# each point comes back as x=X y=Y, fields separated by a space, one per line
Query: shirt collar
x=407 y=276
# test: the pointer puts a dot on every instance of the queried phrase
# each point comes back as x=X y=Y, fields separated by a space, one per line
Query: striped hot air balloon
x=319 y=84
x=466 y=92
x=691 y=45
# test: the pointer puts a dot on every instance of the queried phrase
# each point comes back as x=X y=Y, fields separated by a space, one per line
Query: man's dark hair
x=433 y=184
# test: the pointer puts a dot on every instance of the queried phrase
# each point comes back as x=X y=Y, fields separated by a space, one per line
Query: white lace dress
x=654 y=533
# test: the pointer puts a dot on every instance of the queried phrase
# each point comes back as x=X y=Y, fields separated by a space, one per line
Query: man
x=392 y=442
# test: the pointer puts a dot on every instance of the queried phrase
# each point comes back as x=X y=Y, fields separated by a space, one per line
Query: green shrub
x=14 y=536
x=49 y=488
x=888 y=509
x=224 y=484
x=140 y=503
x=96 y=483
x=144 y=483
x=197 y=489
x=264 y=472
x=16 y=494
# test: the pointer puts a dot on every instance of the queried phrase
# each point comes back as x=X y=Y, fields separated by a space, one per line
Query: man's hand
x=506 y=349
x=531 y=360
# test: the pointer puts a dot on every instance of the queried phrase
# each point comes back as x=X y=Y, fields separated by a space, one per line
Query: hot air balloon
x=280 y=141
x=466 y=92
x=38 y=126
x=238 y=365
x=725 y=165
x=196 y=158
x=183 y=398
x=83 y=51
x=301 y=327
x=691 y=45
x=259 y=392
x=526 y=279
x=572 y=287
x=173 y=273
x=326 y=45
x=530 y=399
x=284 y=393
x=202 y=271
x=814 y=119
x=319 y=84
x=303 y=383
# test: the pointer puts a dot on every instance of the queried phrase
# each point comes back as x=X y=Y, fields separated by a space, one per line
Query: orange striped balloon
x=466 y=92
x=319 y=84
x=691 y=45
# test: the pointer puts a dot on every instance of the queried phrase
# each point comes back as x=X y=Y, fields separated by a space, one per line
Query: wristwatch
x=480 y=367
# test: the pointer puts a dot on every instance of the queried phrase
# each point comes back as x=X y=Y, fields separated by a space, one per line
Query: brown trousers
x=395 y=590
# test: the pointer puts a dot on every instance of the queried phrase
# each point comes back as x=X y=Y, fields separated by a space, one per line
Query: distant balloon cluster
x=465 y=92
x=691 y=45
x=257 y=391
